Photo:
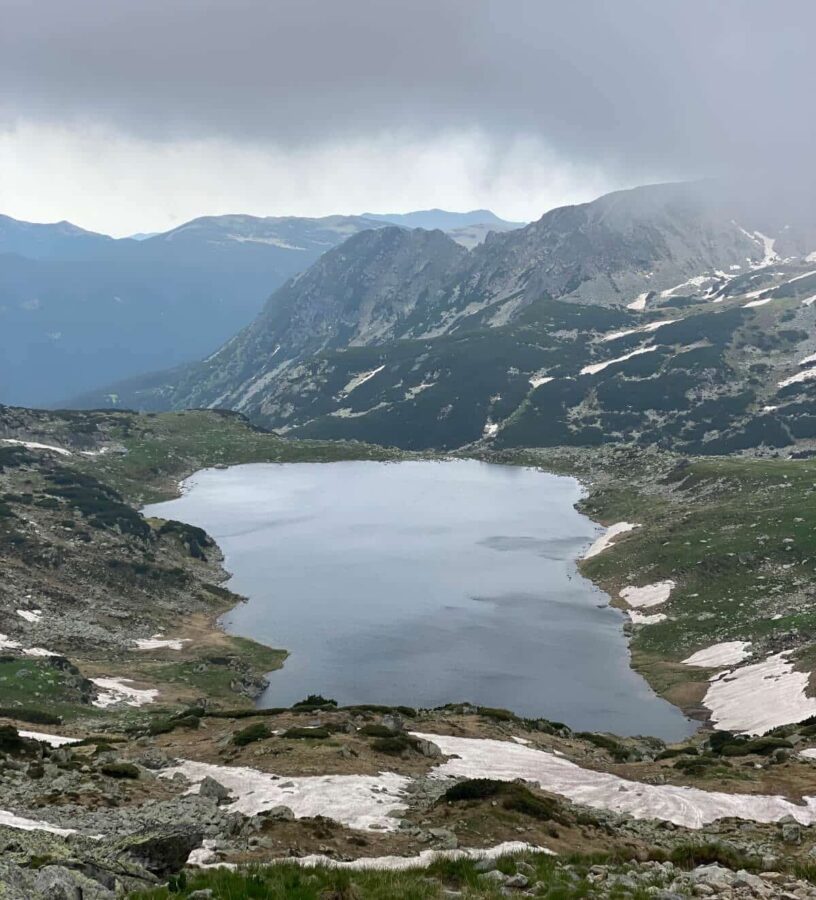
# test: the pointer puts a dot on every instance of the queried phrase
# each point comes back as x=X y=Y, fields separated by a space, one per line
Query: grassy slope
x=164 y=448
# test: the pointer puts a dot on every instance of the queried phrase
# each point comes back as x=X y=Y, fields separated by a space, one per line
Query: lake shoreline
x=582 y=487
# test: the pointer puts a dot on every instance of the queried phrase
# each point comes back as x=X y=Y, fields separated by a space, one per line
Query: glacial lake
x=423 y=583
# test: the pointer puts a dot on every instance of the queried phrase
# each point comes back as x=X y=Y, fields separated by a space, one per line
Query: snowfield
x=689 y=807
x=729 y=653
x=754 y=699
x=359 y=801
x=606 y=539
x=119 y=690
x=649 y=594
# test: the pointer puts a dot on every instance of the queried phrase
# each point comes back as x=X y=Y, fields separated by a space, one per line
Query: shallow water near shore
x=423 y=583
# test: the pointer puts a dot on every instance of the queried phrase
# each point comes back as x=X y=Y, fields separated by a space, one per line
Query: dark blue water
x=422 y=583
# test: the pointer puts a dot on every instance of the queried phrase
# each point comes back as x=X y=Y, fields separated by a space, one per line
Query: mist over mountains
x=671 y=314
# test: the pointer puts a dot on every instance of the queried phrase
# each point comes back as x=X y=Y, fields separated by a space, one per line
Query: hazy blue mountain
x=60 y=240
x=78 y=309
x=444 y=220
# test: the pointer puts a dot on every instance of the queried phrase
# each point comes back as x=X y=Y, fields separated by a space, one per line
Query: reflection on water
x=424 y=583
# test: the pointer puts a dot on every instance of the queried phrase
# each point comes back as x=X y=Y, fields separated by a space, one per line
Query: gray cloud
x=679 y=87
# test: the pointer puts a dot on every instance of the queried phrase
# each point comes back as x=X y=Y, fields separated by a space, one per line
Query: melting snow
x=10 y=820
x=599 y=367
x=689 y=807
x=359 y=801
x=30 y=615
x=490 y=429
x=157 y=642
x=641 y=619
x=756 y=303
x=799 y=376
x=809 y=301
x=538 y=380
x=649 y=594
x=696 y=281
x=7 y=644
x=768 y=246
x=362 y=378
x=728 y=653
x=115 y=690
x=421 y=861
x=652 y=326
x=639 y=303
x=33 y=445
x=605 y=540
x=54 y=740
x=758 y=697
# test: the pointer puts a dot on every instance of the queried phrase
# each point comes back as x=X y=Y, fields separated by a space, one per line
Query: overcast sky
x=135 y=115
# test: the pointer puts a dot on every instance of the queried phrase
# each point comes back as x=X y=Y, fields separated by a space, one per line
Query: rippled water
x=423 y=583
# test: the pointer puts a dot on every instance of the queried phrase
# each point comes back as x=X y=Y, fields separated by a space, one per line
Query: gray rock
x=278 y=813
x=495 y=877
x=791 y=833
x=517 y=881
x=485 y=865
x=213 y=789
x=715 y=875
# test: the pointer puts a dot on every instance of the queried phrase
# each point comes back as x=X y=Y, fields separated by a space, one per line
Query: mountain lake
x=423 y=583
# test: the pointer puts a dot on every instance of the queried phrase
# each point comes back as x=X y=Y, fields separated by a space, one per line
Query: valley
x=693 y=521
x=636 y=696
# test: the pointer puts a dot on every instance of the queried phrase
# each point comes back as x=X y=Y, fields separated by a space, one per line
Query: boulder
x=213 y=789
x=163 y=852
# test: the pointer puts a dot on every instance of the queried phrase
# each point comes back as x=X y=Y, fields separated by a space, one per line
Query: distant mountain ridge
x=431 y=219
x=663 y=314
x=78 y=309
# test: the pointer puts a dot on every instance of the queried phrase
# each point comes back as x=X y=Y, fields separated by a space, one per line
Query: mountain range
x=680 y=315
x=79 y=309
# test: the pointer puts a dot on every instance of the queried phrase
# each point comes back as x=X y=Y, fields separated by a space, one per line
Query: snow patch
x=358 y=801
x=649 y=594
x=605 y=540
x=157 y=642
x=421 y=861
x=756 y=698
x=6 y=643
x=599 y=367
x=652 y=326
x=641 y=619
x=751 y=303
x=53 y=740
x=119 y=690
x=728 y=653
x=685 y=806
x=537 y=380
x=639 y=303
x=362 y=378
x=696 y=281
x=30 y=615
x=33 y=445
x=11 y=820
x=799 y=376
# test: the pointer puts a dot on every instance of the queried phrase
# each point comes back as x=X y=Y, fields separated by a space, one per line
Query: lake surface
x=423 y=583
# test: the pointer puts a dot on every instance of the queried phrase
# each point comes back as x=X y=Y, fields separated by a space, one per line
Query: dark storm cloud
x=632 y=84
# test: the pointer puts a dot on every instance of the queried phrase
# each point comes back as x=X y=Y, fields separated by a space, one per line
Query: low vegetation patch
x=513 y=796
x=257 y=732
